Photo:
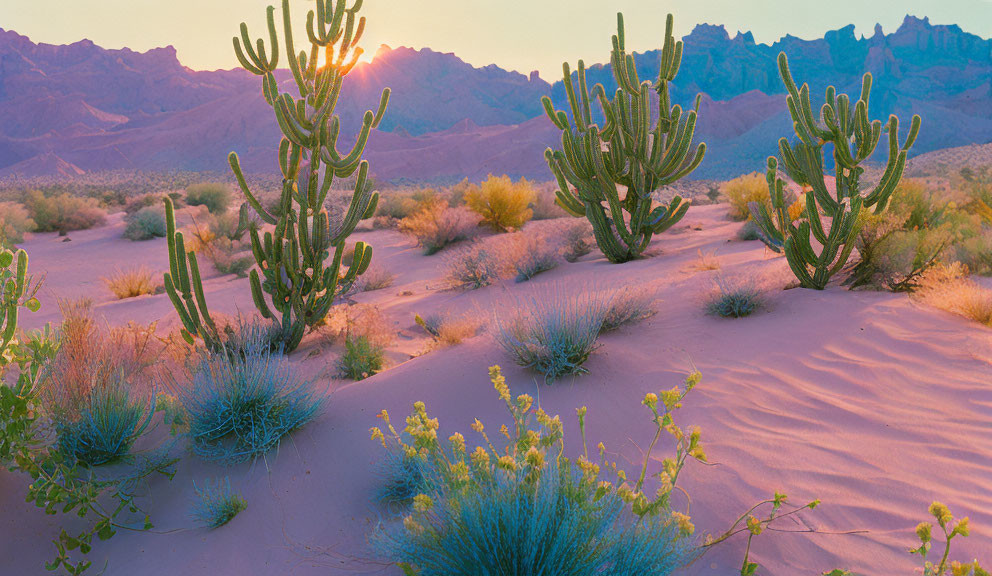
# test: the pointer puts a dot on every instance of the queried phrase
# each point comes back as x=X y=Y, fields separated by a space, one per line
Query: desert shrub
x=948 y=288
x=976 y=252
x=535 y=254
x=91 y=388
x=396 y=206
x=217 y=503
x=241 y=402
x=502 y=204
x=897 y=247
x=135 y=204
x=14 y=223
x=544 y=206
x=521 y=507
x=362 y=358
x=146 y=224
x=375 y=278
x=577 y=240
x=743 y=190
x=361 y=320
x=734 y=299
x=63 y=213
x=627 y=306
x=132 y=283
x=749 y=231
x=553 y=332
x=474 y=267
x=438 y=226
x=448 y=329
x=216 y=197
x=706 y=262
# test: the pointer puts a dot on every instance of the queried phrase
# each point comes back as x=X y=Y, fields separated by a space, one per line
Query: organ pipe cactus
x=627 y=151
x=16 y=292
x=292 y=279
x=832 y=219
x=185 y=288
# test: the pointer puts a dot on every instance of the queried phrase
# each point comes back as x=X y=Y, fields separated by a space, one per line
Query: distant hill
x=79 y=107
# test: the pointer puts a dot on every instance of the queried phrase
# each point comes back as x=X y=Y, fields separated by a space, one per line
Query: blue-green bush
x=106 y=427
x=552 y=331
x=216 y=503
x=243 y=400
x=734 y=300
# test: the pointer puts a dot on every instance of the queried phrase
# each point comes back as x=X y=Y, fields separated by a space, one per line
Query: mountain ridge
x=91 y=108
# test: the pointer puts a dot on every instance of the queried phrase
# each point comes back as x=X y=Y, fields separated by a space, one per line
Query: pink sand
x=867 y=401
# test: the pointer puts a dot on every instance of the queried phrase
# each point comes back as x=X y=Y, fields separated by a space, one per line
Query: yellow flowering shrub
x=503 y=204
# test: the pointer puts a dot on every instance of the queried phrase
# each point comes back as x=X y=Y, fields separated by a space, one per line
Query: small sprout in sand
x=734 y=299
x=217 y=503
x=627 y=306
x=132 y=283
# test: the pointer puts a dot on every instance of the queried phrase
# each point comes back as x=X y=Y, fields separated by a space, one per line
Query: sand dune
x=865 y=400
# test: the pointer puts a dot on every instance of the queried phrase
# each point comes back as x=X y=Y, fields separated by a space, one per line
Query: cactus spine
x=184 y=287
x=291 y=259
x=854 y=139
x=627 y=151
x=16 y=292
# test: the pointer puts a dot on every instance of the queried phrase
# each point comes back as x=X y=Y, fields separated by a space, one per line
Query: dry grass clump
x=359 y=320
x=503 y=204
x=132 y=283
x=14 y=223
x=577 y=239
x=438 y=226
x=534 y=254
x=734 y=298
x=449 y=329
x=743 y=190
x=707 y=261
x=135 y=204
x=215 y=196
x=63 y=213
x=627 y=306
x=375 y=278
x=475 y=267
x=221 y=238
x=948 y=288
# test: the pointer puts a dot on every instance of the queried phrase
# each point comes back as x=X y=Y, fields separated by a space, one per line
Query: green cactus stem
x=293 y=285
x=17 y=290
x=627 y=152
x=831 y=219
x=185 y=288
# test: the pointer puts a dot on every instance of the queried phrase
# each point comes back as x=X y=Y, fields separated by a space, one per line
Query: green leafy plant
x=732 y=299
x=853 y=139
x=362 y=358
x=626 y=152
x=521 y=506
x=950 y=530
x=291 y=259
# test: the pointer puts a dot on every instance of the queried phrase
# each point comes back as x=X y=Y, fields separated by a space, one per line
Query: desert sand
x=866 y=400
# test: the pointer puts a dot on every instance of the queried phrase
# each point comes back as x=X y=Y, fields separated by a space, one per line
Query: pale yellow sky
x=521 y=35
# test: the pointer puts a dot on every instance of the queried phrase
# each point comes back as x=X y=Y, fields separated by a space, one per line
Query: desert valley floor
x=869 y=401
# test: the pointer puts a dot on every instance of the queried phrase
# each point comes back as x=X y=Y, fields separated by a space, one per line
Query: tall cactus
x=16 y=292
x=627 y=151
x=291 y=258
x=853 y=139
x=184 y=287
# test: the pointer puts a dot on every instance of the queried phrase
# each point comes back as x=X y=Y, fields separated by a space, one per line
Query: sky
x=520 y=35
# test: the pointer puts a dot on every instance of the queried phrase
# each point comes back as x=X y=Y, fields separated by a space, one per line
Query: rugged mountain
x=81 y=107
